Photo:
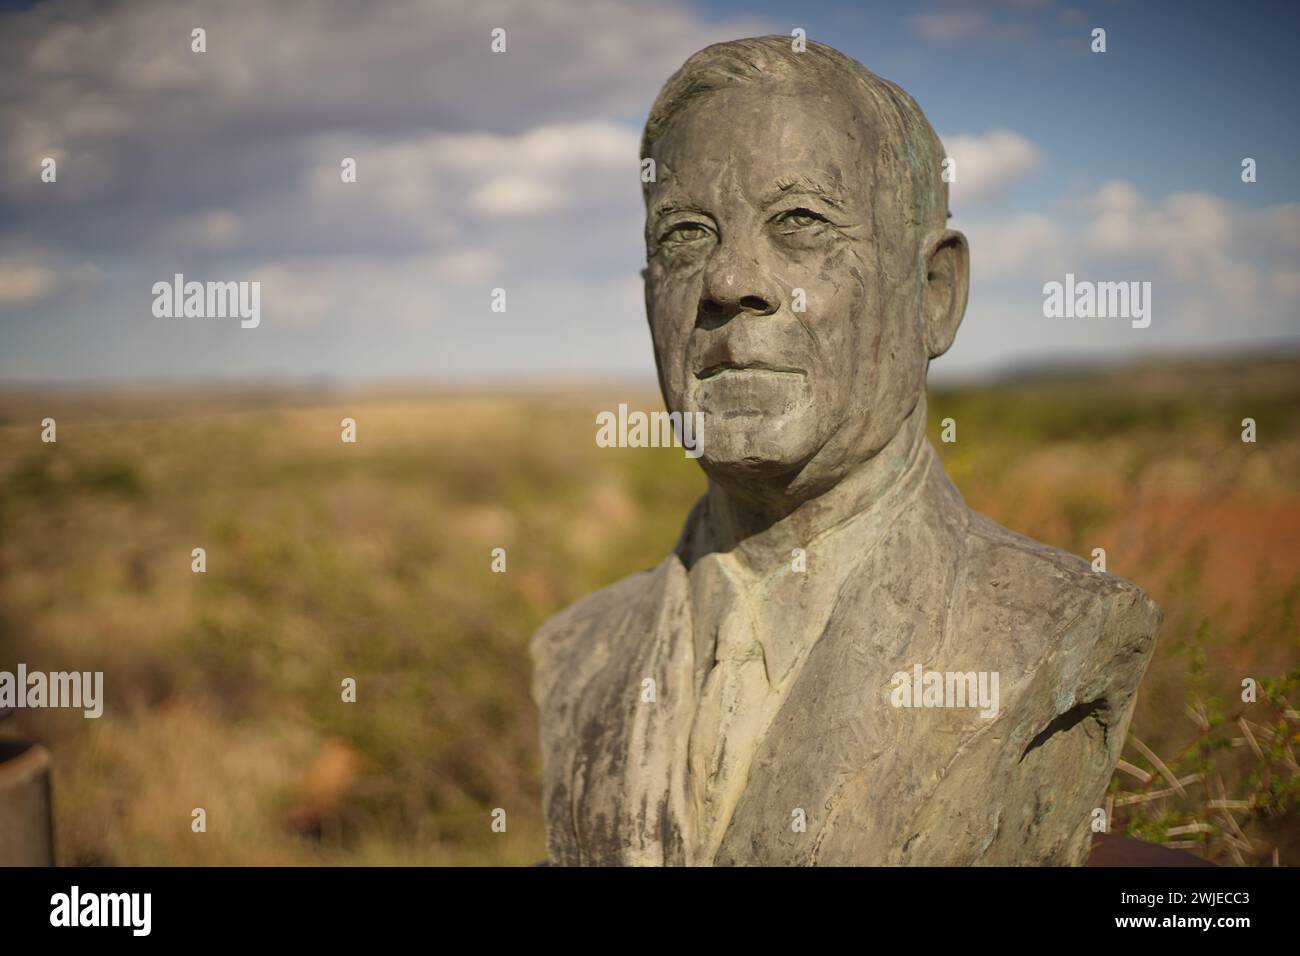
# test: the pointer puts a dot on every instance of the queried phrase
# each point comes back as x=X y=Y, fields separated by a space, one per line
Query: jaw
x=759 y=423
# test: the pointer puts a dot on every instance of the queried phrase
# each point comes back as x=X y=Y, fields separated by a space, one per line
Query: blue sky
x=518 y=170
x=1182 y=89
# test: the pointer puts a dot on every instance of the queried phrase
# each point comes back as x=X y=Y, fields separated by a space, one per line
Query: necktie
x=731 y=708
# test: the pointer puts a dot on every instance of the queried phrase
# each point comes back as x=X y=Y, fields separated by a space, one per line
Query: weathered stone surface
x=26 y=818
x=778 y=733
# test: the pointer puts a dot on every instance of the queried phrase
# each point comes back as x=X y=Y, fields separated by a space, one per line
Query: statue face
x=760 y=193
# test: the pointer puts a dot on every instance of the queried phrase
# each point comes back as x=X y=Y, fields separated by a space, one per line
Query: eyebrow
x=799 y=183
x=796 y=183
x=660 y=209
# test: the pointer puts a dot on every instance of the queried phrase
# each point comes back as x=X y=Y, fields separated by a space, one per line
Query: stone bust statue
x=848 y=665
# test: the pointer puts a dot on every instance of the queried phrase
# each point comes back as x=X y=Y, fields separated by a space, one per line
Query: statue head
x=800 y=273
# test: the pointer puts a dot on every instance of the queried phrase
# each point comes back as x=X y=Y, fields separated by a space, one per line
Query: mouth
x=717 y=369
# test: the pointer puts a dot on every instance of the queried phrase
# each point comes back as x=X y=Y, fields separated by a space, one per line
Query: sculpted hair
x=908 y=143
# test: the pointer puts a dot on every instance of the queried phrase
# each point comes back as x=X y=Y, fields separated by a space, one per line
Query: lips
x=717 y=368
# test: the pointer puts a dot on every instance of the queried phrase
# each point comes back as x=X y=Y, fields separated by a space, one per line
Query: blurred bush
x=372 y=561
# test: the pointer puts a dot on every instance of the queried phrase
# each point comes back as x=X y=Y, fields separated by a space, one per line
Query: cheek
x=672 y=306
x=840 y=313
x=673 y=303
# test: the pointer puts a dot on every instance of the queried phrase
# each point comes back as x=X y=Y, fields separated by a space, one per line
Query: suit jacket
x=870 y=782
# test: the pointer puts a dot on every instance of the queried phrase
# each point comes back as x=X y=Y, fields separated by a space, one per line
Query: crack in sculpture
x=1065 y=722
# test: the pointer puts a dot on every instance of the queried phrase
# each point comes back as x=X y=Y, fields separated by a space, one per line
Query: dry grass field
x=371 y=560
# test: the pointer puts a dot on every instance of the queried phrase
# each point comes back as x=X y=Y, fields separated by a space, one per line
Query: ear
x=947 y=282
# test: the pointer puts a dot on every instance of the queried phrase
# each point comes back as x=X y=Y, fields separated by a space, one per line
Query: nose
x=736 y=283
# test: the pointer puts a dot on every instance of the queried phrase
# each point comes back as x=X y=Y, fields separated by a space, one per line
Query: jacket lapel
x=831 y=731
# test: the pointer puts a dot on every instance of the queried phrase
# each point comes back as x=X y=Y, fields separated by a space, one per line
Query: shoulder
x=573 y=640
x=1014 y=571
x=1047 y=605
x=598 y=608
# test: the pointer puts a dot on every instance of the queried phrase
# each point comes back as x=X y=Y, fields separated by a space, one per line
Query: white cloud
x=31 y=275
x=490 y=175
x=475 y=170
x=1199 y=241
x=413 y=289
x=987 y=166
x=107 y=81
x=514 y=196
x=23 y=281
x=1195 y=243
x=212 y=229
x=1028 y=244
x=432 y=315
x=1220 y=274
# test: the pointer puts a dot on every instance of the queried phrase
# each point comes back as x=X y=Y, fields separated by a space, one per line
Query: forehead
x=754 y=137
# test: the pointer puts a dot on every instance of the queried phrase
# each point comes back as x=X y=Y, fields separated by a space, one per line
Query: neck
x=763 y=538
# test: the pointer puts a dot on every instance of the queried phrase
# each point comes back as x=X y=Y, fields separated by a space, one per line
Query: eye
x=800 y=218
x=685 y=232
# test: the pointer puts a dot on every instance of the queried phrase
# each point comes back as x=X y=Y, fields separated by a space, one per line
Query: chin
x=756 y=446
